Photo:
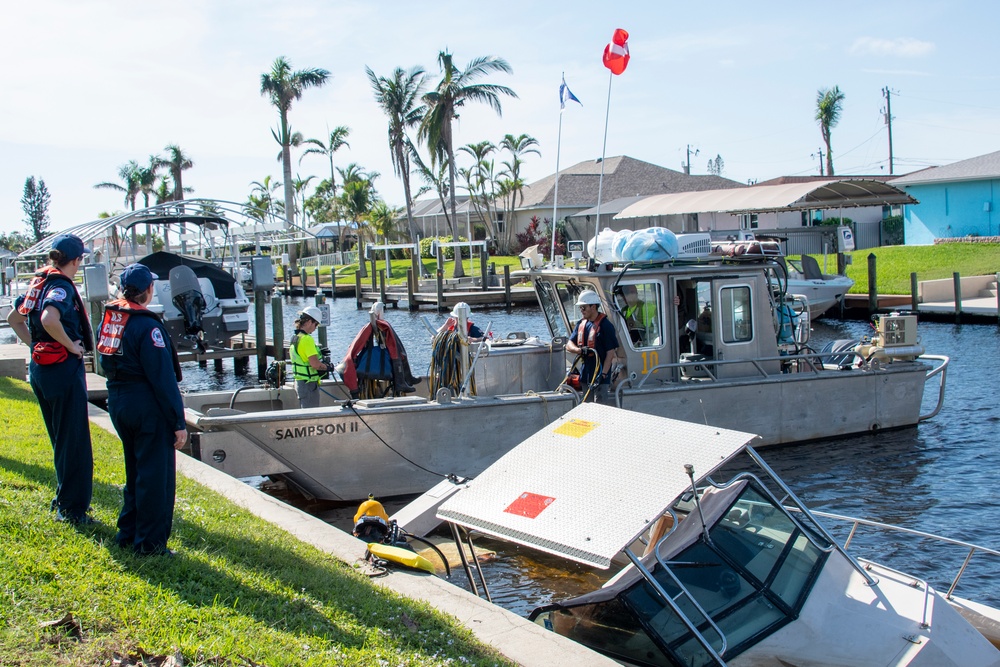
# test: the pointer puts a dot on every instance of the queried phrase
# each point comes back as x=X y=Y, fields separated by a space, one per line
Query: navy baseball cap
x=69 y=245
x=138 y=276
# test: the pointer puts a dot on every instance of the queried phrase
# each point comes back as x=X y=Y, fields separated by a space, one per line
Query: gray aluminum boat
x=731 y=350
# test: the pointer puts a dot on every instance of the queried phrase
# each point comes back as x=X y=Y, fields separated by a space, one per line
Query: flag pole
x=604 y=148
x=555 y=195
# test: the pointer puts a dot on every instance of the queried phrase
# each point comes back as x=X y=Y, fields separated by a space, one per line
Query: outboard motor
x=188 y=299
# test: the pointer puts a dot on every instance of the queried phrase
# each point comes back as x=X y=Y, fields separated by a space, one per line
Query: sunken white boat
x=732 y=353
x=723 y=564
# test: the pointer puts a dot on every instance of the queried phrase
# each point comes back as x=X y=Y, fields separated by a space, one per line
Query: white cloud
x=900 y=47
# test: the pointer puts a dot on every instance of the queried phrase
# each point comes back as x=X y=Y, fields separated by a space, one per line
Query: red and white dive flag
x=616 y=53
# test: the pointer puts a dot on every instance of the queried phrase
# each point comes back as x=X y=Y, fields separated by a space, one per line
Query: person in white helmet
x=594 y=338
x=307 y=367
x=474 y=333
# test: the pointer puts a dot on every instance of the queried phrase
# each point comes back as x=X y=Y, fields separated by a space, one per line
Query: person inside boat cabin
x=306 y=363
x=640 y=315
x=594 y=339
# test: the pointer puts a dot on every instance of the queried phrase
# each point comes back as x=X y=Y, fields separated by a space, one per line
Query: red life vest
x=452 y=322
x=595 y=327
x=116 y=314
x=34 y=294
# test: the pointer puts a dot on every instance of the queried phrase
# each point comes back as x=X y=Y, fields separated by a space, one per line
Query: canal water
x=940 y=477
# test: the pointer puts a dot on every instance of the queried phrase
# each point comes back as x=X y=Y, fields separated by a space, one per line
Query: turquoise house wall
x=951 y=210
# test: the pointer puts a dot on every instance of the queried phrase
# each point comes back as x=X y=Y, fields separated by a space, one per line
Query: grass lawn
x=238 y=592
x=893 y=264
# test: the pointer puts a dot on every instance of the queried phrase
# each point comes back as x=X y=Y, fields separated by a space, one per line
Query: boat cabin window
x=557 y=322
x=736 y=314
x=752 y=577
x=639 y=305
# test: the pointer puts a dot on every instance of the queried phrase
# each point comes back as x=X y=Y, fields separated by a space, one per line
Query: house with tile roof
x=956 y=200
x=624 y=178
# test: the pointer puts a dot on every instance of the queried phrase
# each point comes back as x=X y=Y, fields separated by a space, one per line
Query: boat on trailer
x=720 y=562
x=732 y=351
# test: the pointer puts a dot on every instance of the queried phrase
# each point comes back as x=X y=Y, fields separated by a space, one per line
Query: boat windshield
x=751 y=576
x=550 y=306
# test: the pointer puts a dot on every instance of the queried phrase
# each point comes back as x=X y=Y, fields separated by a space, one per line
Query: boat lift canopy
x=587 y=485
x=830 y=194
x=216 y=220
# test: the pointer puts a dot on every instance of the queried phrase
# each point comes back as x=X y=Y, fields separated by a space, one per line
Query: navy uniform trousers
x=61 y=390
x=150 y=477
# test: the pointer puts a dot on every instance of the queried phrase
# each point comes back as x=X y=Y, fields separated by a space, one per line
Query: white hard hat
x=460 y=306
x=313 y=312
x=588 y=298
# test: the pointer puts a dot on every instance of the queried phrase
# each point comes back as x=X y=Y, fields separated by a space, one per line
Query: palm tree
x=382 y=221
x=455 y=88
x=398 y=96
x=829 y=102
x=129 y=174
x=514 y=185
x=356 y=199
x=299 y=185
x=147 y=178
x=177 y=161
x=433 y=180
x=480 y=181
x=283 y=86
x=261 y=201
x=338 y=139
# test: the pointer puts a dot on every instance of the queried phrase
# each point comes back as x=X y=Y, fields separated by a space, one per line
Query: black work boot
x=400 y=385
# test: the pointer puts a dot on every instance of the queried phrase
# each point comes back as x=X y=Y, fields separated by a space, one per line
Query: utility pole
x=687 y=165
x=888 y=121
x=819 y=153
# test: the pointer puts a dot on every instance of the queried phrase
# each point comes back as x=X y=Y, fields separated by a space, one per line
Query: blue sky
x=90 y=85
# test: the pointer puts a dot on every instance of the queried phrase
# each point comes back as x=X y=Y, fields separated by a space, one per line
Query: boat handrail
x=973 y=548
x=671 y=602
x=943 y=371
x=810 y=358
x=817 y=526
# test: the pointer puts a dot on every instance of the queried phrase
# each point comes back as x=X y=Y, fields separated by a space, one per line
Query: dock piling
x=440 y=288
x=482 y=269
x=320 y=301
x=506 y=285
x=958 y=297
x=260 y=331
x=277 y=329
x=357 y=288
x=872 y=285
x=410 y=280
x=914 y=297
x=381 y=287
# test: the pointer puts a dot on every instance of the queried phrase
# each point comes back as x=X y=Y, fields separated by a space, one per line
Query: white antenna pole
x=604 y=148
x=555 y=195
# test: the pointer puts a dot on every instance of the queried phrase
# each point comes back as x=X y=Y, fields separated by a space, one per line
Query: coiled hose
x=446 y=363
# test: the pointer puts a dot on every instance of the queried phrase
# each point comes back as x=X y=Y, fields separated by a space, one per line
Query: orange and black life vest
x=109 y=336
x=590 y=340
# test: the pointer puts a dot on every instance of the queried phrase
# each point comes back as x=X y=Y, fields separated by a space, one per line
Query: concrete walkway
x=516 y=638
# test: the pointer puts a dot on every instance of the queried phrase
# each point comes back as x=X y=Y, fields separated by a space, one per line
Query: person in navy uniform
x=146 y=409
x=594 y=338
x=51 y=320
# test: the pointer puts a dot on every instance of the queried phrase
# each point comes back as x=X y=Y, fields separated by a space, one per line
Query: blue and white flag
x=566 y=95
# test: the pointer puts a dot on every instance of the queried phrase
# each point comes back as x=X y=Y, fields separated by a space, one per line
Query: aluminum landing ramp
x=587 y=485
